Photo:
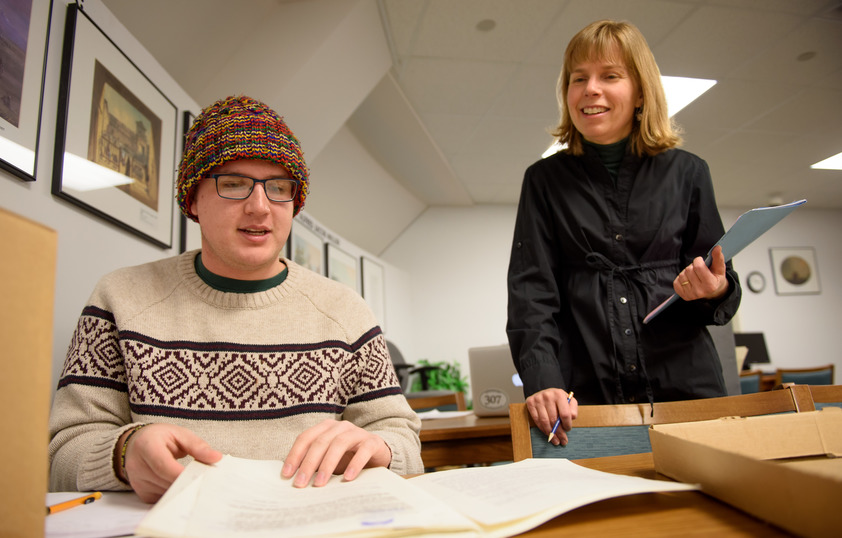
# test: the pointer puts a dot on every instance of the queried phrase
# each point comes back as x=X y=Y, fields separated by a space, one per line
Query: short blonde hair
x=652 y=129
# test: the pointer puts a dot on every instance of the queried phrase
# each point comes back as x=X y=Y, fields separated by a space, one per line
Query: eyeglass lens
x=236 y=187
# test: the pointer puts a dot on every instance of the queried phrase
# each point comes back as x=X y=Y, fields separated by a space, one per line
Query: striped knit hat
x=235 y=128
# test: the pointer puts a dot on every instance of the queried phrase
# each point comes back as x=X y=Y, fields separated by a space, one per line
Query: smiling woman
x=606 y=229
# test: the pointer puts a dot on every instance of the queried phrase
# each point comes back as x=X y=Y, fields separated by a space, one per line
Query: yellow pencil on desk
x=72 y=503
x=558 y=420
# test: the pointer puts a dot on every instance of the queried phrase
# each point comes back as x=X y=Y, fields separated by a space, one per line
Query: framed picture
x=190 y=236
x=115 y=135
x=795 y=270
x=24 y=33
x=307 y=249
x=341 y=266
x=373 y=290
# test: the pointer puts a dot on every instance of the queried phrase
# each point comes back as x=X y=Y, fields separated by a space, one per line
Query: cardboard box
x=785 y=469
x=27 y=286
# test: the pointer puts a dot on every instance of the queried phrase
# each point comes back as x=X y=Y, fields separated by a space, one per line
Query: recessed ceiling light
x=680 y=92
x=486 y=25
x=831 y=163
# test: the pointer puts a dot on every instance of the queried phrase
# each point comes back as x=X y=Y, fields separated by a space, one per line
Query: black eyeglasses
x=239 y=187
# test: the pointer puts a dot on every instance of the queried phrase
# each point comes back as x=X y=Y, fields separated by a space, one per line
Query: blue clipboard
x=749 y=226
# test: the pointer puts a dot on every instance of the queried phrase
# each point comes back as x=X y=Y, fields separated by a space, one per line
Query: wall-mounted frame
x=307 y=249
x=795 y=270
x=190 y=235
x=24 y=58
x=341 y=266
x=373 y=289
x=115 y=135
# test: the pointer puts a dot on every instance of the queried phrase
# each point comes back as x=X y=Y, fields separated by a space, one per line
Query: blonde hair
x=652 y=129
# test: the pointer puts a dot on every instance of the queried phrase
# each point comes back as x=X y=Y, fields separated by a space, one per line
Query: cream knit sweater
x=246 y=372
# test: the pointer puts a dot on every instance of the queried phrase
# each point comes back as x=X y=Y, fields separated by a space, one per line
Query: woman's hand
x=698 y=281
x=549 y=404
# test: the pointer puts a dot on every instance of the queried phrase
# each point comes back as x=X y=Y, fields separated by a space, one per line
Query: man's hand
x=334 y=446
x=152 y=454
x=698 y=281
x=549 y=404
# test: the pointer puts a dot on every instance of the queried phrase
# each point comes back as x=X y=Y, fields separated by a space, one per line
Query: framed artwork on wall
x=341 y=266
x=307 y=248
x=24 y=33
x=795 y=270
x=190 y=235
x=115 y=135
x=373 y=289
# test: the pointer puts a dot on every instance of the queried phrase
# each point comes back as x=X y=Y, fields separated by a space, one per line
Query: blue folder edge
x=749 y=226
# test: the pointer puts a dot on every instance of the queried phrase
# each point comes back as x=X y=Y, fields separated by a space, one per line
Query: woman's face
x=601 y=100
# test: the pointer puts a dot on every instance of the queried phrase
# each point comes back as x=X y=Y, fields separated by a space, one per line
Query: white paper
x=248 y=498
x=115 y=514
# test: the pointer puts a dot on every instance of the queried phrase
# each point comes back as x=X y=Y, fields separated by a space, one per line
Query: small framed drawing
x=341 y=266
x=307 y=249
x=24 y=32
x=115 y=135
x=190 y=235
x=373 y=290
x=795 y=270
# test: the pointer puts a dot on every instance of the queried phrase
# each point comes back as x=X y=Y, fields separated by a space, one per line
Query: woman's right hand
x=549 y=404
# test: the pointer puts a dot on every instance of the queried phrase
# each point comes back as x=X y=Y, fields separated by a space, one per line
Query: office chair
x=614 y=430
x=819 y=375
x=826 y=396
x=750 y=382
x=444 y=400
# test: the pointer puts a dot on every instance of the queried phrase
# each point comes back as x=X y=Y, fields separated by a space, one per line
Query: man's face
x=243 y=239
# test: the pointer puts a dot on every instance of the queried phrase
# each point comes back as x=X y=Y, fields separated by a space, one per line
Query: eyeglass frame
x=295 y=182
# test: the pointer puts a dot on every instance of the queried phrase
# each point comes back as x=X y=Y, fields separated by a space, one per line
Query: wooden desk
x=652 y=514
x=465 y=440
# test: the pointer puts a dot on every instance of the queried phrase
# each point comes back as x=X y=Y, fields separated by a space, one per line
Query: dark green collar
x=233 y=285
x=611 y=155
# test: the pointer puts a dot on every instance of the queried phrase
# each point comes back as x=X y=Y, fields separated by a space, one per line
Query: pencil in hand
x=558 y=420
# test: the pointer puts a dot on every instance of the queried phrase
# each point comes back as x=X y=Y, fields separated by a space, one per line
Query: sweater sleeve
x=90 y=409
x=384 y=411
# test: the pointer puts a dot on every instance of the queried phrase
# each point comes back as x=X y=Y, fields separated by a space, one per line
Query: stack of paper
x=248 y=498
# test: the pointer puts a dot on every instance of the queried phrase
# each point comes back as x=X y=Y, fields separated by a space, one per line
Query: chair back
x=819 y=375
x=750 y=382
x=826 y=396
x=445 y=401
x=613 y=430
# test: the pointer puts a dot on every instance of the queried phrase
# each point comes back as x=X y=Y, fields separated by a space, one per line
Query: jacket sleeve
x=534 y=303
x=704 y=229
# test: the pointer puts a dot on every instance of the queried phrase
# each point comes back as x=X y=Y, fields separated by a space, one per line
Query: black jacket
x=591 y=257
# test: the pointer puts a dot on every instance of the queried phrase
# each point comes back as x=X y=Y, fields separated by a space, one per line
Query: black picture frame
x=24 y=64
x=115 y=135
x=188 y=230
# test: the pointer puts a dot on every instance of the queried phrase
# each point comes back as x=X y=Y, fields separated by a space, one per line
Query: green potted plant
x=444 y=376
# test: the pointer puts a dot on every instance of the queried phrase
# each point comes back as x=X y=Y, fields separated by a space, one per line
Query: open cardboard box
x=785 y=469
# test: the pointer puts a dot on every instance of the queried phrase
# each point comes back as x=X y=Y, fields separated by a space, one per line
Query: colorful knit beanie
x=238 y=128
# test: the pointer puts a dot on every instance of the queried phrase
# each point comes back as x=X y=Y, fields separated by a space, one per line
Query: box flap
x=789 y=435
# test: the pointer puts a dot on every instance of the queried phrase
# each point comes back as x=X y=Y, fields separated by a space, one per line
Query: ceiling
x=479 y=79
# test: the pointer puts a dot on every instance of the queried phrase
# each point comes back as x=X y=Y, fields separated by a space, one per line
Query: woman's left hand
x=698 y=281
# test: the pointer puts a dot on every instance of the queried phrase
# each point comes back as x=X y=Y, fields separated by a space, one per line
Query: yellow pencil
x=87 y=499
x=558 y=420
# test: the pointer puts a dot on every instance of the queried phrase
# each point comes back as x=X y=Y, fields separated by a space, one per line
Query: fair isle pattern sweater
x=247 y=372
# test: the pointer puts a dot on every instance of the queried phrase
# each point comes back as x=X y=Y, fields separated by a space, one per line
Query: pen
x=558 y=420
x=87 y=499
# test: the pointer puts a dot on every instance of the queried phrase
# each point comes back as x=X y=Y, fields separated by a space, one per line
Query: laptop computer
x=494 y=380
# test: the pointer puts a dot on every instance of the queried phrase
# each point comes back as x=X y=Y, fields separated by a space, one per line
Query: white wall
x=456 y=260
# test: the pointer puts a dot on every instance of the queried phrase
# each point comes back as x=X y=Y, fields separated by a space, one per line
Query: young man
x=230 y=349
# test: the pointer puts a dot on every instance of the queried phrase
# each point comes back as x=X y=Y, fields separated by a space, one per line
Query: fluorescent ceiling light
x=831 y=163
x=680 y=92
